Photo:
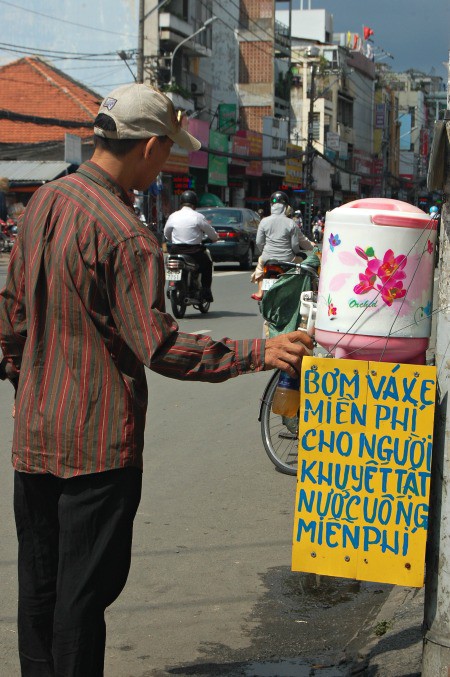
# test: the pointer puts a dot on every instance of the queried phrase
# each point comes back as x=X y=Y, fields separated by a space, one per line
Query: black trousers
x=74 y=557
x=202 y=258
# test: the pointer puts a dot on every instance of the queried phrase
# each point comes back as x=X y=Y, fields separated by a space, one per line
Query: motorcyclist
x=184 y=230
x=278 y=237
x=298 y=218
x=318 y=227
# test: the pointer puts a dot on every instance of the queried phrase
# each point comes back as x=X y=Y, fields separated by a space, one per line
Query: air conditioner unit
x=197 y=86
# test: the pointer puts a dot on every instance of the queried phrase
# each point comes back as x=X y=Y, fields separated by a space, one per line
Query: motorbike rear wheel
x=178 y=301
x=279 y=434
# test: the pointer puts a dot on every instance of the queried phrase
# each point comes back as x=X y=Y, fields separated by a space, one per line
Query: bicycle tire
x=280 y=443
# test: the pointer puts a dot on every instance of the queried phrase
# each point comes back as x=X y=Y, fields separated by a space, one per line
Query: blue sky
x=416 y=35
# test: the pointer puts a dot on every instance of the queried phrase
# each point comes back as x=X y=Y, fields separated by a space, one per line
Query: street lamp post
x=180 y=44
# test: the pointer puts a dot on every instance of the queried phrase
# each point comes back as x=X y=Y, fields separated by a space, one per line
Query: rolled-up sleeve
x=135 y=283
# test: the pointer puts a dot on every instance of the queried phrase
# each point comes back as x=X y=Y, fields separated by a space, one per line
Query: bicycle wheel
x=279 y=434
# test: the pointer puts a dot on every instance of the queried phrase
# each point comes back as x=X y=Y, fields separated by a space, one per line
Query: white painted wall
x=312 y=24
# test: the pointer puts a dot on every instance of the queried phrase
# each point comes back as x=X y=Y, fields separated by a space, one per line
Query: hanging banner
x=199 y=129
x=218 y=165
x=227 y=113
x=241 y=147
x=363 y=480
x=255 y=167
x=293 y=165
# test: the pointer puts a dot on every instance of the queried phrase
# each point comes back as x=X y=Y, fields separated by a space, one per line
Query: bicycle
x=280 y=434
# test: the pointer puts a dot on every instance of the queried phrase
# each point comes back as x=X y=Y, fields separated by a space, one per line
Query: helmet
x=279 y=196
x=189 y=198
x=434 y=209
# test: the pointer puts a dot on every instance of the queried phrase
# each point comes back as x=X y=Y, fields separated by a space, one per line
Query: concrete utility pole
x=436 y=652
x=140 y=52
x=310 y=154
x=141 y=35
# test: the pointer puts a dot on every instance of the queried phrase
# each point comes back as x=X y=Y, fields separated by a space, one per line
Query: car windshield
x=222 y=217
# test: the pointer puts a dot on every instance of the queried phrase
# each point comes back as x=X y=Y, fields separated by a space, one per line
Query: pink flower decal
x=384 y=275
x=430 y=247
x=389 y=293
x=389 y=268
x=366 y=282
x=361 y=253
x=332 y=310
x=334 y=241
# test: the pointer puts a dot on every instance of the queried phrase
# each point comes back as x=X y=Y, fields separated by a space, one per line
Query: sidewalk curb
x=399 y=649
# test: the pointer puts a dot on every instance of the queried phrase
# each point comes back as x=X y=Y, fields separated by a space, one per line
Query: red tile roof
x=31 y=88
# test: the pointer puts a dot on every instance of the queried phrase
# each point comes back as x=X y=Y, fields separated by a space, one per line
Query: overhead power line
x=38 y=120
x=65 y=21
x=59 y=51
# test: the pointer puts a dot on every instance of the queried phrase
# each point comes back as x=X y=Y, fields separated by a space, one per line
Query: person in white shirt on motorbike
x=185 y=231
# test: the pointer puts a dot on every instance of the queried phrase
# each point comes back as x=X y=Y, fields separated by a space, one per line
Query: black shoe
x=207 y=295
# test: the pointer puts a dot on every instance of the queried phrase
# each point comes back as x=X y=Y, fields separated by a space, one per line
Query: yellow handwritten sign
x=365 y=442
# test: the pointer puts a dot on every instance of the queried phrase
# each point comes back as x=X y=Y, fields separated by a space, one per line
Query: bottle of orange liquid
x=286 y=400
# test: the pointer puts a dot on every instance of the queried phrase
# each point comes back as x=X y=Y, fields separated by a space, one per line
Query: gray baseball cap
x=140 y=112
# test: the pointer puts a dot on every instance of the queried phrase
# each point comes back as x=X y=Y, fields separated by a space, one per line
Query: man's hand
x=286 y=351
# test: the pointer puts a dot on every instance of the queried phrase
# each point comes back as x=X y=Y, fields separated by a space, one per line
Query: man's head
x=136 y=112
x=279 y=203
x=189 y=199
x=134 y=130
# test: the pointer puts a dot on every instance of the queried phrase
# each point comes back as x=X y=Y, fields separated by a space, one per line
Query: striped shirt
x=82 y=312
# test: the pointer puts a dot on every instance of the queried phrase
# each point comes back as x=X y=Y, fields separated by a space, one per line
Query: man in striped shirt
x=82 y=312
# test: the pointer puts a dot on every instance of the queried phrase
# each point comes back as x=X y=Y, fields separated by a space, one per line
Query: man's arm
x=207 y=228
x=260 y=237
x=304 y=242
x=168 y=228
x=135 y=286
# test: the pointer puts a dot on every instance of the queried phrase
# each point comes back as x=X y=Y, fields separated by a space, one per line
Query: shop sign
x=354 y=183
x=343 y=150
x=199 y=129
x=227 y=113
x=241 y=146
x=177 y=163
x=217 y=164
x=379 y=115
x=333 y=140
x=293 y=165
x=255 y=167
x=182 y=183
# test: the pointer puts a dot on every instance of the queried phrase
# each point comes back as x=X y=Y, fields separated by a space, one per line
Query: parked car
x=237 y=229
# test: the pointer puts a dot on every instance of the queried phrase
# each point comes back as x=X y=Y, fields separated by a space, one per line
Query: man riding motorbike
x=184 y=231
x=278 y=237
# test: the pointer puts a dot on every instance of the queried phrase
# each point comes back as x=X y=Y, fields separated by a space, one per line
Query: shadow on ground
x=303 y=625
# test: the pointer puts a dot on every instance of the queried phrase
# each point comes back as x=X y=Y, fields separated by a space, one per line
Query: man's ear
x=148 y=146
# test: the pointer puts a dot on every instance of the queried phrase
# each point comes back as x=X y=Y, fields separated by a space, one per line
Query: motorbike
x=317 y=232
x=184 y=287
x=8 y=230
